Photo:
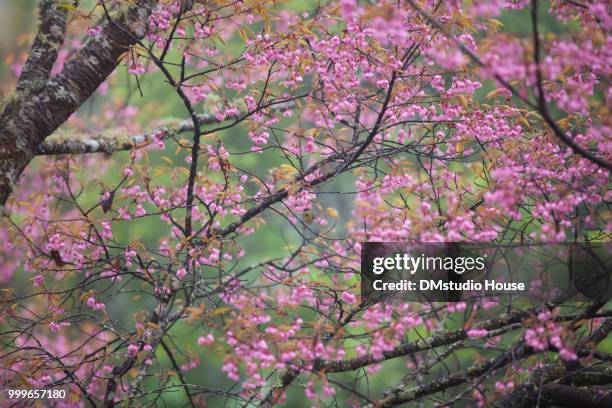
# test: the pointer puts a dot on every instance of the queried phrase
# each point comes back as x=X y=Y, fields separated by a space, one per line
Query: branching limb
x=411 y=394
x=531 y=391
x=26 y=122
x=110 y=143
x=567 y=396
x=443 y=338
x=43 y=54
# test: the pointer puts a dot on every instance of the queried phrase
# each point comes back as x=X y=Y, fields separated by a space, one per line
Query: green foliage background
x=159 y=102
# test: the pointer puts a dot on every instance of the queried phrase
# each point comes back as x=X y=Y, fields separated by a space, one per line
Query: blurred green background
x=18 y=17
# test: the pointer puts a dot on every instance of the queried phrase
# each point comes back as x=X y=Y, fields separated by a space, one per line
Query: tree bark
x=43 y=54
x=30 y=117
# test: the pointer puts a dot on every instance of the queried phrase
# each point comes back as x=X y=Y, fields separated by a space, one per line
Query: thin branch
x=517 y=353
x=178 y=370
x=542 y=109
x=441 y=339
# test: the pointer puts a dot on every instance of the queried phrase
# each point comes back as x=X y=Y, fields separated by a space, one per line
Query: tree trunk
x=32 y=116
